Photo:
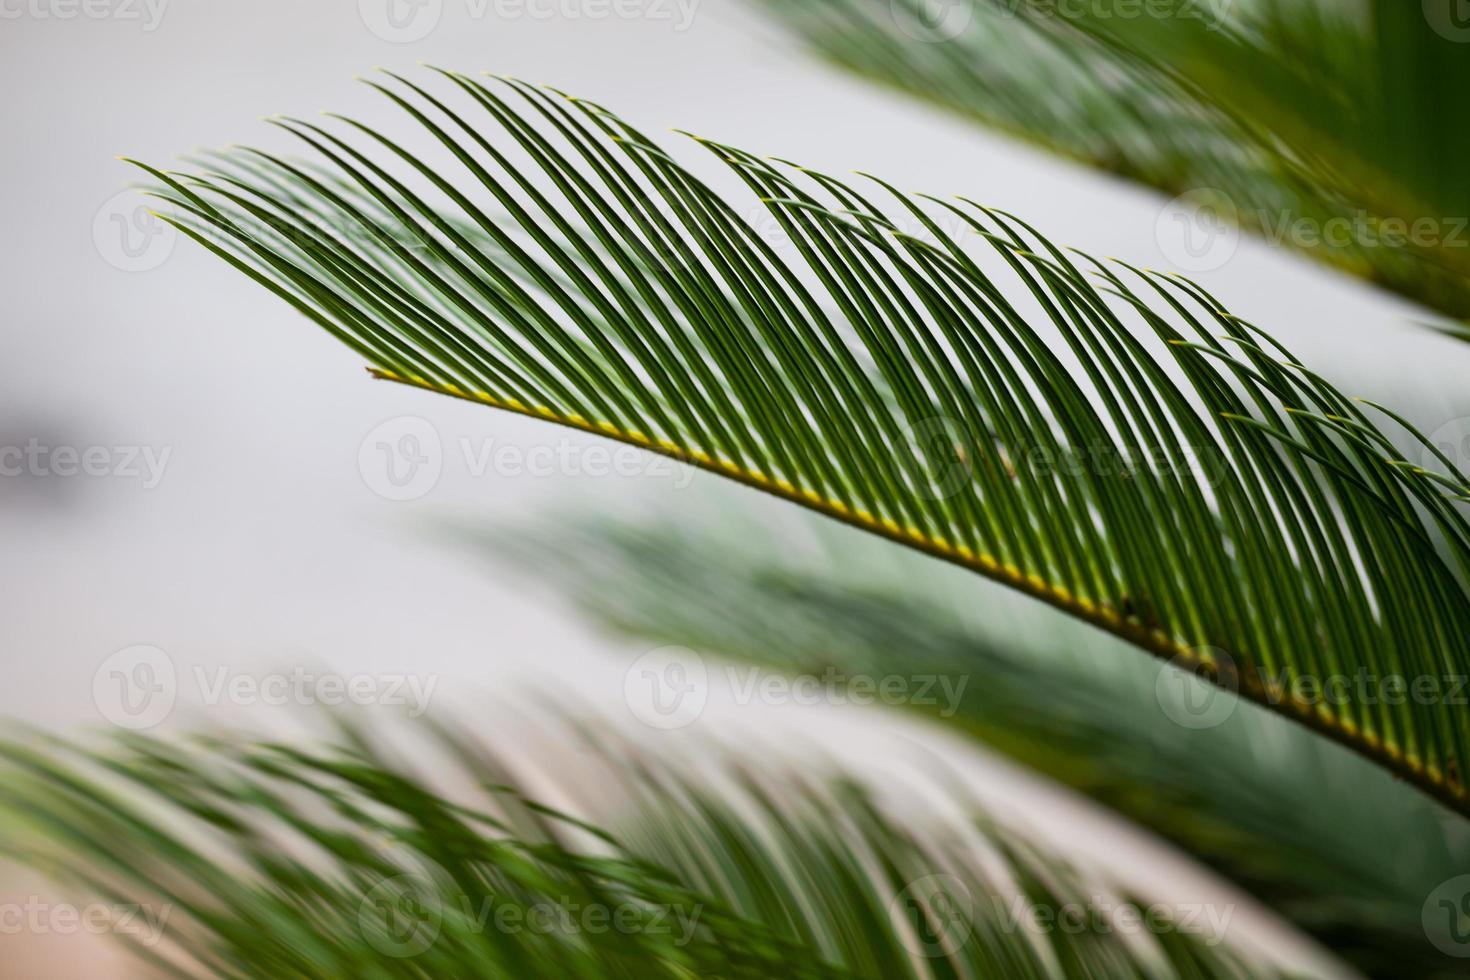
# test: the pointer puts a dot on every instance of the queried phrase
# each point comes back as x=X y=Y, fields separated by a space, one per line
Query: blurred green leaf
x=1325 y=125
x=1340 y=848
x=271 y=860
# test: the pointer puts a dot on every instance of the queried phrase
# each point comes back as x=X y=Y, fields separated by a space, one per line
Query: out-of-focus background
x=200 y=487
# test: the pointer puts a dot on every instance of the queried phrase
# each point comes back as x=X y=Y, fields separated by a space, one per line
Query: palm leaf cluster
x=1341 y=849
x=273 y=860
x=1108 y=440
x=1327 y=113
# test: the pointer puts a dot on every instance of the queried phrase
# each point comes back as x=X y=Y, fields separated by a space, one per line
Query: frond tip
x=961 y=387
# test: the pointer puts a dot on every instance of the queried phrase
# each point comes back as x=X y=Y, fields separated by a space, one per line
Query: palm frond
x=1341 y=849
x=1322 y=115
x=276 y=860
x=982 y=396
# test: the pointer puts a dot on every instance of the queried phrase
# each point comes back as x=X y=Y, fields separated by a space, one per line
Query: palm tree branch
x=860 y=372
x=1241 y=679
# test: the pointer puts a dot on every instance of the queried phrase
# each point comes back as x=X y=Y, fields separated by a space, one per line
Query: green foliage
x=1341 y=849
x=1134 y=455
x=277 y=861
x=1328 y=115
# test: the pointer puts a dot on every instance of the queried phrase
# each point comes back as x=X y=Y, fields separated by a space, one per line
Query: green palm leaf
x=1318 y=123
x=1133 y=455
x=272 y=860
x=1345 y=852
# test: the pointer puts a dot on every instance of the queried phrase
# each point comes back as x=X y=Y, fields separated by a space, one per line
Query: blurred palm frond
x=270 y=860
x=1344 y=851
x=1324 y=125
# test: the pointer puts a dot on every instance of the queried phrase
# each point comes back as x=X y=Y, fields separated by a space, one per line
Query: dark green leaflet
x=1126 y=449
